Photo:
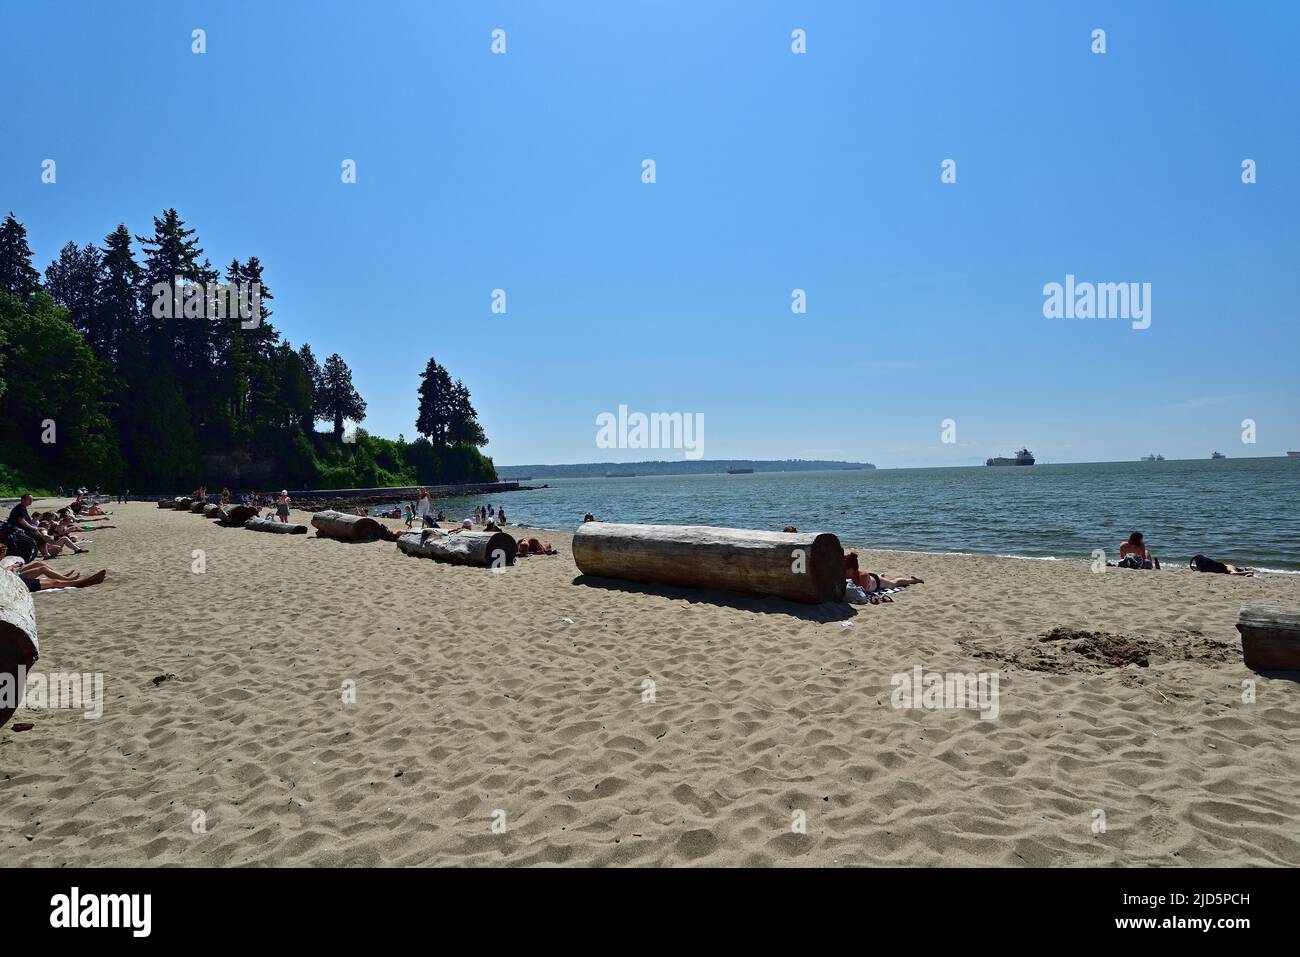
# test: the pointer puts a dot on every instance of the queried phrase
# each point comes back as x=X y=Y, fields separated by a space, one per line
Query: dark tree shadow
x=829 y=611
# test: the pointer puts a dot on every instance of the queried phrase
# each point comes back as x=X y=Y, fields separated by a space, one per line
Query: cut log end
x=1270 y=637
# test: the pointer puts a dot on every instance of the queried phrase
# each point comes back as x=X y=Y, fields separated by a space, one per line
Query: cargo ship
x=1218 y=455
x=1153 y=458
x=1293 y=455
x=736 y=471
x=1023 y=457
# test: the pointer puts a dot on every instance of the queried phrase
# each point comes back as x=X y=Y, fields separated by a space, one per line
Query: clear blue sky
x=775 y=171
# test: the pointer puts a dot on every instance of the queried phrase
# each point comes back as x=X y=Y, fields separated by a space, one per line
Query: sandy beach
x=525 y=693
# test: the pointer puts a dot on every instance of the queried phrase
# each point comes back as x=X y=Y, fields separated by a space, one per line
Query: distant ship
x=736 y=471
x=1293 y=455
x=1153 y=458
x=1023 y=457
x=1218 y=455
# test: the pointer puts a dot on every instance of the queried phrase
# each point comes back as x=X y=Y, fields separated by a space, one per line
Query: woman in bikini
x=870 y=582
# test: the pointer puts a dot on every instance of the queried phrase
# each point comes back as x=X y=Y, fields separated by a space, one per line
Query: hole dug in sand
x=1075 y=651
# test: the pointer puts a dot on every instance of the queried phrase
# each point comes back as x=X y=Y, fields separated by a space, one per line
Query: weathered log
x=345 y=528
x=182 y=503
x=800 y=566
x=18 y=645
x=214 y=511
x=239 y=514
x=166 y=503
x=273 y=525
x=1270 y=637
x=495 y=549
x=198 y=507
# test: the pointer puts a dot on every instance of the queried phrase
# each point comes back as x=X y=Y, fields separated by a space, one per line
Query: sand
x=503 y=718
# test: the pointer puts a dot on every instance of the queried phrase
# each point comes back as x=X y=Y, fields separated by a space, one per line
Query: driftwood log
x=239 y=514
x=213 y=511
x=346 y=528
x=495 y=549
x=182 y=503
x=198 y=507
x=272 y=525
x=799 y=566
x=18 y=647
x=166 y=503
x=1270 y=637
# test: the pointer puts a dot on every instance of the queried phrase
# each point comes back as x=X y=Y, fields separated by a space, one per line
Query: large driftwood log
x=799 y=566
x=166 y=503
x=239 y=514
x=214 y=511
x=273 y=525
x=182 y=503
x=198 y=507
x=1270 y=637
x=18 y=646
x=346 y=528
x=495 y=549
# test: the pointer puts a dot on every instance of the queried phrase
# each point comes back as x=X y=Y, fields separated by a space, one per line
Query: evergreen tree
x=316 y=380
x=436 y=402
x=463 y=427
x=342 y=401
x=73 y=281
x=118 y=296
x=17 y=274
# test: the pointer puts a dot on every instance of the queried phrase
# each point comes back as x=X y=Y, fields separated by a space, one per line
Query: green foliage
x=153 y=397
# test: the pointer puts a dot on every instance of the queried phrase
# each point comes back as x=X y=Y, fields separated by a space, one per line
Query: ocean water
x=1243 y=511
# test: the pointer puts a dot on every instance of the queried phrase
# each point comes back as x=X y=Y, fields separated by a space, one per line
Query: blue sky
x=775 y=171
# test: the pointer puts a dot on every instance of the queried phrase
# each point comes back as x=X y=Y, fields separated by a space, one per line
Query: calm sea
x=1244 y=511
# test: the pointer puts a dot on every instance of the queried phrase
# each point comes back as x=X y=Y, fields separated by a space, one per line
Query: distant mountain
x=683 y=467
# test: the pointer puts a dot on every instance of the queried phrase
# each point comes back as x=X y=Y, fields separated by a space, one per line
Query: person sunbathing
x=539 y=548
x=1200 y=563
x=870 y=582
x=1136 y=551
x=38 y=576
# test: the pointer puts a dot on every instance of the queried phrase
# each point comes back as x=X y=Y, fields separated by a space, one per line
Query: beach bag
x=1200 y=563
x=18 y=541
x=854 y=595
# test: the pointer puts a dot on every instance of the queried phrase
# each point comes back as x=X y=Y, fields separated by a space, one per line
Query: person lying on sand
x=37 y=575
x=870 y=582
x=1200 y=563
x=532 y=546
x=1139 y=554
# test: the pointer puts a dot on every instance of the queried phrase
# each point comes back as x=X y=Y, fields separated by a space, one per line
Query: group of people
x=1133 y=553
x=29 y=540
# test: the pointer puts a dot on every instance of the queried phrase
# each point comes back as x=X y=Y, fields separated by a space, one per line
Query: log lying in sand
x=182 y=503
x=495 y=549
x=166 y=503
x=1270 y=637
x=18 y=647
x=346 y=528
x=198 y=507
x=799 y=566
x=239 y=514
x=214 y=511
x=271 y=525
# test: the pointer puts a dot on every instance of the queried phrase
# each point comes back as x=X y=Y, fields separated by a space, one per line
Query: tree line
x=105 y=379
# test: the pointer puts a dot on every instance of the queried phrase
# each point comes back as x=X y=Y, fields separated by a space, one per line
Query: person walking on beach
x=423 y=505
x=282 y=506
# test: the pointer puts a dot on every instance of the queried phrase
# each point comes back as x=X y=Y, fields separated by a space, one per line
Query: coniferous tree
x=17 y=274
x=118 y=295
x=316 y=379
x=436 y=398
x=73 y=281
x=342 y=401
